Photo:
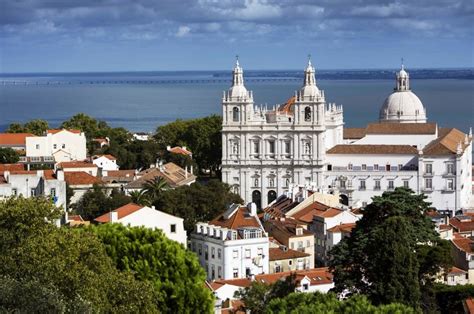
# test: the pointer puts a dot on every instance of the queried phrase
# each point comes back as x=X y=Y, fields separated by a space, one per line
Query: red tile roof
x=54 y=131
x=464 y=244
x=123 y=211
x=12 y=139
x=372 y=149
x=446 y=143
x=317 y=276
x=469 y=305
x=174 y=175
x=76 y=164
x=243 y=282
x=241 y=218
x=462 y=225
x=108 y=156
x=353 y=133
x=11 y=167
x=401 y=128
x=277 y=254
x=80 y=178
x=180 y=150
x=347 y=228
x=455 y=270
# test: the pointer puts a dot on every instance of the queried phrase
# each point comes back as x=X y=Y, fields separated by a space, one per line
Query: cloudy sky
x=124 y=35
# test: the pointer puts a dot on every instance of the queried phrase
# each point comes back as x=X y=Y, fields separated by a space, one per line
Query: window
x=400 y=167
x=362 y=185
x=342 y=184
x=63 y=146
x=219 y=271
x=277 y=268
x=376 y=167
x=287 y=147
x=377 y=185
x=300 y=244
x=349 y=166
x=406 y=184
x=390 y=185
x=200 y=249
x=235 y=254
x=206 y=252
x=292 y=245
x=235 y=272
x=388 y=168
x=219 y=253
x=213 y=272
x=55 y=146
x=37 y=146
x=290 y=262
x=429 y=168
x=33 y=192
x=235 y=114
x=428 y=184
x=450 y=168
x=213 y=253
x=308 y=243
x=450 y=184
x=256 y=147
x=173 y=228
x=305 y=286
x=14 y=191
x=329 y=167
x=271 y=147
x=307 y=114
x=247 y=253
x=52 y=192
x=364 y=167
x=247 y=272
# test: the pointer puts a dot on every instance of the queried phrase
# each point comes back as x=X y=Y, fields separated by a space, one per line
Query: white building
x=136 y=216
x=303 y=142
x=265 y=150
x=402 y=150
x=233 y=245
x=59 y=145
x=34 y=183
x=105 y=162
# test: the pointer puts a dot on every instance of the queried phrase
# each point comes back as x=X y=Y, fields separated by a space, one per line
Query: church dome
x=238 y=88
x=403 y=105
x=309 y=88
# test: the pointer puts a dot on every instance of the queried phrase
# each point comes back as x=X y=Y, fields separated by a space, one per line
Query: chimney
x=184 y=148
x=153 y=207
x=252 y=207
x=168 y=148
x=60 y=175
x=6 y=174
x=40 y=173
x=113 y=216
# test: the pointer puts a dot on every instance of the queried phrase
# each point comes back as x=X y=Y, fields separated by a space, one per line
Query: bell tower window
x=235 y=114
x=307 y=114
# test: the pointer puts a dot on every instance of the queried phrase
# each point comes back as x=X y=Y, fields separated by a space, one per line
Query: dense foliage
x=450 y=299
x=8 y=156
x=96 y=202
x=48 y=269
x=36 y=127
x=393 y=253
x=175 y=273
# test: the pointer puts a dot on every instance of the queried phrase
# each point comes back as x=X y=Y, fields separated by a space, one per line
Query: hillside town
x=305 y=183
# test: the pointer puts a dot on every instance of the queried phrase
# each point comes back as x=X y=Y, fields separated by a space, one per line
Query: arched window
x=272 y=195
x=307 y=114
x=257 y=198
x=235 y=114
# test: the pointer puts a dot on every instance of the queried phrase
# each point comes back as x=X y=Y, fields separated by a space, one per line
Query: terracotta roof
x=121 y=173
x=314 y=209
x=172 y=173
x=469 y=305
x=54 y=131
x=282 y=205
x=241 y=218
x=123 y=211
x=331 y=212
x=80 y=178
x=347 y=228
x=12 y=139
x=464 y=244
x=353 y=133
x=277 y=254
x=445 y=227
x=284 y=230
x=462 y=225
x=180 y=150
x=76 y=164
x=287 y=107
x=446 y=143
x=2 y=179
x=49 y=174
x=401 y=128
x=317 y=276
x=108 y=156
x=23 y=172
x=455 y=270
x=100 y=140
x=241 y=282
x=11 y=167
x=372 y=149
x=75 y=217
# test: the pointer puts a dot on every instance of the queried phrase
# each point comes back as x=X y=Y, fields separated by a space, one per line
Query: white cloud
x=183 y=31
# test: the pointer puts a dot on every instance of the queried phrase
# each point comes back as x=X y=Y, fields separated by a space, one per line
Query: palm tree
x=154 y=187
x=140 y=198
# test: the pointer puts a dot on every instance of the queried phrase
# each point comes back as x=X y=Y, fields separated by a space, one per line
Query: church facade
x=264 y=151
x=303 y=142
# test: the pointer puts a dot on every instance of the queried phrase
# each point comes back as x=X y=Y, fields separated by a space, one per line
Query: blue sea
x=141 y=101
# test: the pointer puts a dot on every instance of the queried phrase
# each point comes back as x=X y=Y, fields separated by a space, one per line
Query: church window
x=235 y=114
x=271 y=147
x=256 y=147
x=287 y=147
x=307 y=114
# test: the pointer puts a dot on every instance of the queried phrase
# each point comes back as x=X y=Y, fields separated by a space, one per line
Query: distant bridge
x=169 y=81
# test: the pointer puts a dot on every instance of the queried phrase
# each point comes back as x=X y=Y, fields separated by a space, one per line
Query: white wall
x=72 y=145
x=105 y=163
x=397 y=139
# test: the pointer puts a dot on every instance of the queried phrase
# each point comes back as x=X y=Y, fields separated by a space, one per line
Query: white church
x=303 y=142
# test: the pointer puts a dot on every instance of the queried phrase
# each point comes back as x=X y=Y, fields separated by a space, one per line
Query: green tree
x=175 y=273
x=393 y=253
x=140 y=198
x=37 y=127
x=16 y=128
x=84 y=123
x=154 y=188
x=42 y=266
x=8 y=156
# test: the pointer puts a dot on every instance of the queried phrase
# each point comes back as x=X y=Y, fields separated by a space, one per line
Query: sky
x=154 y=35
